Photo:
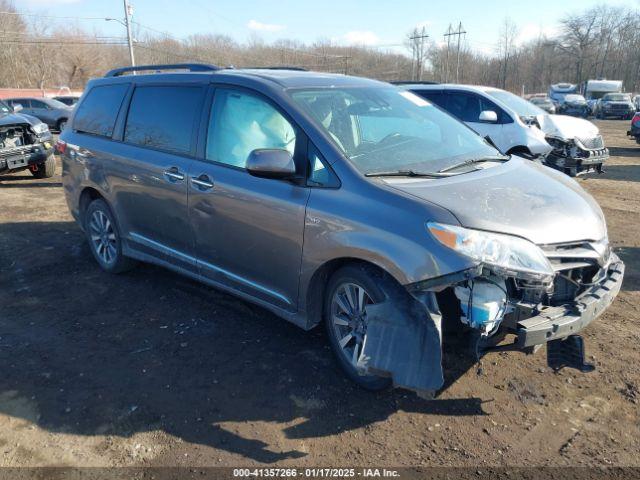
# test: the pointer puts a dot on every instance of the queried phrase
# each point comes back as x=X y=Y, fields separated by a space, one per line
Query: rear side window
x=163 y=117
x=98 y=111
x=439 y=98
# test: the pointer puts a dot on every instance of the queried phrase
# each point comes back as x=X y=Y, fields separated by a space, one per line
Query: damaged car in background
x=516 y=126
x=25 y=143
x=383 y=217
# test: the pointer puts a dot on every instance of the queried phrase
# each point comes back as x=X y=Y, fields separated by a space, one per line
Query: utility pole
x=448 y=38
x=128 y=11
x=459 y=34
x=417 y=48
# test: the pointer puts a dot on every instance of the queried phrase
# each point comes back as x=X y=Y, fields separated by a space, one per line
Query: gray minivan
x=338 y=200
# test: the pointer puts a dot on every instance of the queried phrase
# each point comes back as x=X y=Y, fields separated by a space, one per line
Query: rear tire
x=62 y=123
x=104 y=238
x=46 y=169
x=351 y=288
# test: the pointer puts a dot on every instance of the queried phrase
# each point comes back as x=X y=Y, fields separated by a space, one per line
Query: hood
x=519 y=197
x=13 y=118
x=566 y=127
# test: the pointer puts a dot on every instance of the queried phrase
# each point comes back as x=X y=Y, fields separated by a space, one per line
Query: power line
x=59 y=42
x=54 y=16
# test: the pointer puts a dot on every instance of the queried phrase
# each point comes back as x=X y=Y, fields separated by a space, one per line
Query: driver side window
x=240 y=123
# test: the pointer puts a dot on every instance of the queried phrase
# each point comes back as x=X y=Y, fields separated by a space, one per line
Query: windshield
x=519 y=105
x=4 y=108
x=574 y=98
x=616 y=97
x=385 y=129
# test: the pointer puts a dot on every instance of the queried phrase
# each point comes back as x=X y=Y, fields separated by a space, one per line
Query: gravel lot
x=149 y=368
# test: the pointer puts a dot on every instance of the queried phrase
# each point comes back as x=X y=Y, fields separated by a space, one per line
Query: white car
x=517 y=127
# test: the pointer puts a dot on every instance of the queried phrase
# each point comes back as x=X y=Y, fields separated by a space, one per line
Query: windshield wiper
x=474 y=161
x=406 y=173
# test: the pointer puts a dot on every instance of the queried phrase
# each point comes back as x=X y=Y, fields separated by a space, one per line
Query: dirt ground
x=149 y=368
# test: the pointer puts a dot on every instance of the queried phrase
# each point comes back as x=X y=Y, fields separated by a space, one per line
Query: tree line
x=600 y=42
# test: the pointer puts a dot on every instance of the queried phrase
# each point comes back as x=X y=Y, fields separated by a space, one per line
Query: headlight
x=506 y=253
x=40 y=128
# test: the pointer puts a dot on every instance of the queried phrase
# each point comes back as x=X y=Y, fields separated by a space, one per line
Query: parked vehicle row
x=383 y=216
x=518 y=127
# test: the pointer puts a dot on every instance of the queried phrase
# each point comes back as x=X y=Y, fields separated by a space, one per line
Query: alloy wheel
x=103 y=237
x=349 y=320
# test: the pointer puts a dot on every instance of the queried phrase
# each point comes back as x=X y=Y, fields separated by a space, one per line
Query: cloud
x=264 y=27
x=532 y=31
x=360 y=37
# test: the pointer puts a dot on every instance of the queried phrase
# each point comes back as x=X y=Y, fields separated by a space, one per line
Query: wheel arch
x=88 y=195
x=316 y=287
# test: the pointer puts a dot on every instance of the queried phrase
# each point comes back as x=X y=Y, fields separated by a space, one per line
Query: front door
x=248 y=231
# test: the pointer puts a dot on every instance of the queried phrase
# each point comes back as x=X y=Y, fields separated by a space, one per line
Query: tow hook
x=33 y=167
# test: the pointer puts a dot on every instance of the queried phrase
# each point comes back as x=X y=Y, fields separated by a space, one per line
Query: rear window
x=98 y=111
x=163 y=117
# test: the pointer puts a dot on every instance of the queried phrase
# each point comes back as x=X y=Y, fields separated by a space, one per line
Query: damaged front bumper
x=555 y=322
x=406 y=343
x=22 y=157
x=575 y=156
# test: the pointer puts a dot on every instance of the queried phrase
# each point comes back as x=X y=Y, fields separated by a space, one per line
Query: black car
x=574 y=105
x=615 y=105
x=25 y=143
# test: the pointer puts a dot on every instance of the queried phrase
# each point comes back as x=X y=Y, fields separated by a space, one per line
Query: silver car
x=339 y=200
x=48 y=110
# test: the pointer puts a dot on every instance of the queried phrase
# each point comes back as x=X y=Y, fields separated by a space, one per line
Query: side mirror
x=16 y=107
x=271 y=163
x=488 y=116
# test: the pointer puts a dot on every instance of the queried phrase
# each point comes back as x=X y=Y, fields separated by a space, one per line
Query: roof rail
x=279 y=67
x=192 y=67
x=423 y=82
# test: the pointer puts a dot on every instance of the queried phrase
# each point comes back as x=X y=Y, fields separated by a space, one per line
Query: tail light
x=61 y=146
x=636 y=120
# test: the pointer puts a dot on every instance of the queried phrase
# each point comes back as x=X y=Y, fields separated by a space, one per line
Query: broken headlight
x=504 y=253
x=40 y=128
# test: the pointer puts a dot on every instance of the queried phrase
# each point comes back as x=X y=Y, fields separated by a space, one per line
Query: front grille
x=592 y=143
x=577 y=266
x=11 y=152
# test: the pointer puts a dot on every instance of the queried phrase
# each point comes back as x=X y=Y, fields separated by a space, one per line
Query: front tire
x=104 y=238
x=62 y=123
x=348 y=292
x=46 y=169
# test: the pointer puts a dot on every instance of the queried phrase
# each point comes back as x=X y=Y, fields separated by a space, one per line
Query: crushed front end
x=508 y=301
x=577 y=155
x=23 y=146
x=512 y=310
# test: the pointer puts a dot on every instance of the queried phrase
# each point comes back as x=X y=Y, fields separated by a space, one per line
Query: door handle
x=174 y=175
x=203 y=182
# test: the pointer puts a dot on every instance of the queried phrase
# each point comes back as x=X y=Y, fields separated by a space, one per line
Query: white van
x=516 y=126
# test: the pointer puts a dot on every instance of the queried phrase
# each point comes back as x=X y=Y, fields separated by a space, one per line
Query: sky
x=357 y=22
